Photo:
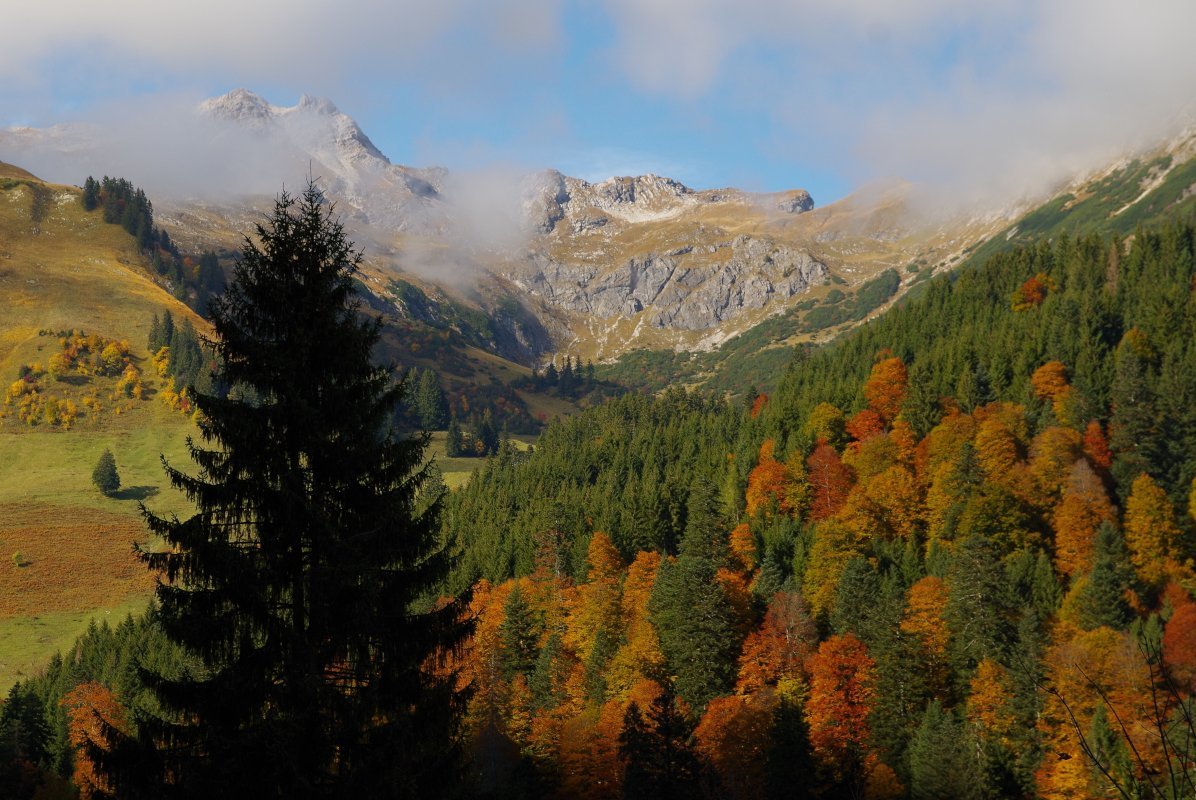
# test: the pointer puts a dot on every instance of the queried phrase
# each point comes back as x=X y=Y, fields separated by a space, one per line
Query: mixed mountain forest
x=951 y=555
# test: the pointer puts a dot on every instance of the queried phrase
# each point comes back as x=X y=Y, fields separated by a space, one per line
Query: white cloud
x=317 y=45
x=978 y=100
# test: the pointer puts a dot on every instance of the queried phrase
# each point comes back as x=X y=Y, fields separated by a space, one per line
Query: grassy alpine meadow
x=66 y=550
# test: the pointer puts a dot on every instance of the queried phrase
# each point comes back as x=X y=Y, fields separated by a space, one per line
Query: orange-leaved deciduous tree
x=1031 y=293
x=733 y=737
x=842 y=696
x=1096 y=446
x=775 y=654
x=865 y=424
x=830 y=479
x=998 y=451
x=885 y=388
x=93 y=713
x=989 y=703
x=888 y=506
x=1086 y=671
x=1050 y=383
x=1077 y=517
x=1150 y=530
x=597 y=606
x=1179 y=645
x=925 y=604
x=1052 y=454
x=639 y=656
x=744 y=552
x=767 y=483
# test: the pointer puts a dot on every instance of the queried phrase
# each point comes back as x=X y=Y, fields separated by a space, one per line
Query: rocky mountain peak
x=241 y=106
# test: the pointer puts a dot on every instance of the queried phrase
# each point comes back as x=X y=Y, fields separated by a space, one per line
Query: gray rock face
x=674 y=291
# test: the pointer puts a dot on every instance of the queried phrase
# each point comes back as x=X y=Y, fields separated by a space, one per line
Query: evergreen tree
x=298 y=579
x=455 y=441
x=167 y=328
x=1100 y=599
x=91 y=194
x=430 y=403
x=104 y=475
x=23 y=729
x=517 y=635
x=692 y=613
x=155 y=340
x=660 y=761
x=940 y=765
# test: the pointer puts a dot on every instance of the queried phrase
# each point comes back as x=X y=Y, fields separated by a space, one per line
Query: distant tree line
x=192 y=280
x=185 y=358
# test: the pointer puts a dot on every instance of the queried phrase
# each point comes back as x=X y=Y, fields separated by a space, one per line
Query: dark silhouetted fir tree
x=301 y=582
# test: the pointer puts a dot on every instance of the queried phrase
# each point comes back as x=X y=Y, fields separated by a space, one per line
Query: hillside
x=968 y=527
x=63 y=269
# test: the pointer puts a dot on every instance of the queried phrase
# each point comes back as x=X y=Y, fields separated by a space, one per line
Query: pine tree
x=298 y=580
x=105 y=476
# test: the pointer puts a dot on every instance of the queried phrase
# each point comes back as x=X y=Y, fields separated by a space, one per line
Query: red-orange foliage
x=758 y=404
x=742 y=544
x=1084 y=507
x=92 y=709
x=1050 y=381
x=1179 y=645
x=988 y=704
x=923 y=618
x=885 y=388
x=1031 y=293
x=767 y=483
x=865 y=424
x=830 y=480
x=735 y=587
x=1096 y=446
x=775 y=654
x=842 y=694
x=734 y=737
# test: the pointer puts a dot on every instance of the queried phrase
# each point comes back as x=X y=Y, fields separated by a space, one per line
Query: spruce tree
x=300 y=582
x=660 y=761
x=692 y=613
x=91 y=194
x=105 y=476
x=455 y=442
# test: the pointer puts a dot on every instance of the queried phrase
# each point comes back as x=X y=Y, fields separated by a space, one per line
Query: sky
x=976 y=102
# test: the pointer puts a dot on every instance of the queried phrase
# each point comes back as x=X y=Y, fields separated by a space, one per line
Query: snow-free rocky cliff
x=680 y=281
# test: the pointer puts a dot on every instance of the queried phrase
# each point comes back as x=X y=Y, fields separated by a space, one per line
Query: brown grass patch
x=73 y=560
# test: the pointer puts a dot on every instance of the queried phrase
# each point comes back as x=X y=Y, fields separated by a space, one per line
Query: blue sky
x=979 y=100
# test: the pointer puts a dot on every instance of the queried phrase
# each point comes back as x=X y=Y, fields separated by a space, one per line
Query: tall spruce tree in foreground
x=298 y=580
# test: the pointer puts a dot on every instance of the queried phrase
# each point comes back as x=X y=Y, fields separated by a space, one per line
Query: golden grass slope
x=70 y=270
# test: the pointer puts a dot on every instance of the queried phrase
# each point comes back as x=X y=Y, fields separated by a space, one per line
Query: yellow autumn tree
x=1150 y=530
